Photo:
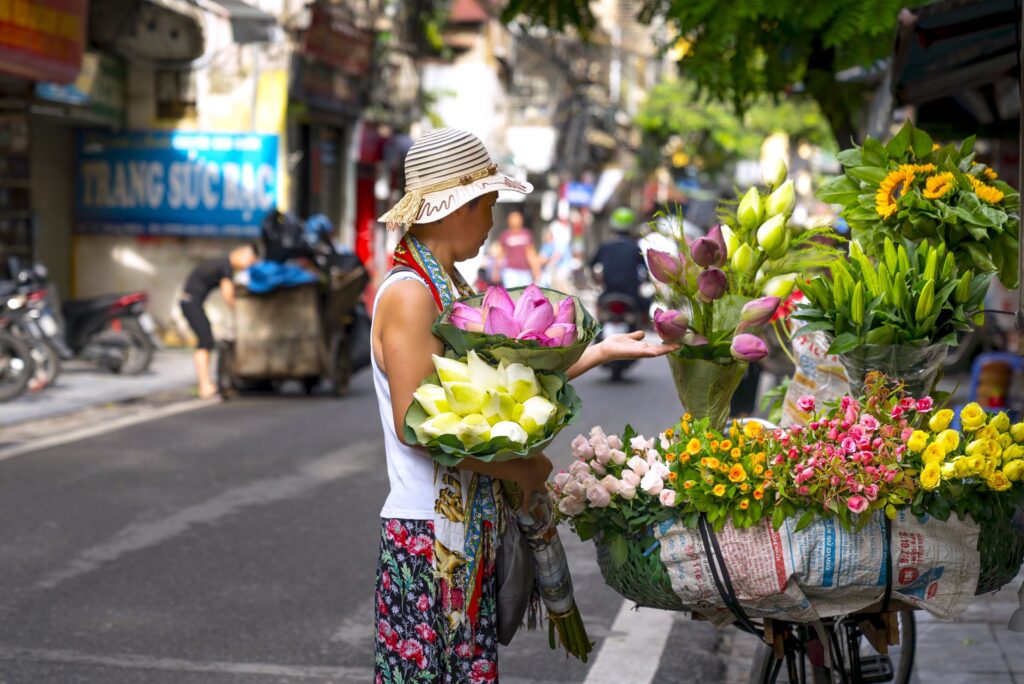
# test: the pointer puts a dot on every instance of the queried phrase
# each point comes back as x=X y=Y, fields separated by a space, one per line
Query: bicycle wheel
x=804 y=662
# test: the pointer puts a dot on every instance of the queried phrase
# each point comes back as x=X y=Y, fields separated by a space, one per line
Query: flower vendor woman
x=436 y=610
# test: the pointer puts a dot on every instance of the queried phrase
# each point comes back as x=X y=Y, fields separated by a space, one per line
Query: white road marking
x=103 y=427
x=339 y=675
x=632 y=651
x=136 y=536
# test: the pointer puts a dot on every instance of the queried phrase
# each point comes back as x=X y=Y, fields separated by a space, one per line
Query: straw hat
x=444 y=170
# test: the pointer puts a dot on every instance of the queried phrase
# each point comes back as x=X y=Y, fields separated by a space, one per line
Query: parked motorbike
x=618 y=314
x=24 y=315
x=17 y=367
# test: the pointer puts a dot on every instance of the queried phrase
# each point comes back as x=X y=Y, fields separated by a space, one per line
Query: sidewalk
x=976 y=649
x=83 y=385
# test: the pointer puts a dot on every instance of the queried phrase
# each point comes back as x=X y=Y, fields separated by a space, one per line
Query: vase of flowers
x=706 y=386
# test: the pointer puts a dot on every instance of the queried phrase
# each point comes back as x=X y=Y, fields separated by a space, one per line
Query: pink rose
x=638 y=443
x=869 y=422
x=805 y=403
x=907 y=403
x=579 y=469
x=896 y=412
x=614 y=442
x=426 y=632
x=598 y=496
x=638 y=465
x=571 y=506
x=598 y=468
x=561 y=479
x=603 y=454
x=667 y=497
x=627 y=491
x=618 y=456
x=857 y=504
x=631 y=478
x=924 y=405
x=610 y=483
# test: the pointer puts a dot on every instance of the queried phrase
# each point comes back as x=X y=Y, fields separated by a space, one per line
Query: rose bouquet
x=471 y=408
x=542 y=329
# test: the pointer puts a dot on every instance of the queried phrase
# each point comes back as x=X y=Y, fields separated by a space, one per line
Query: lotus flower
x=432 y=398
x=781 y=201
x=664 y=267
x=498 y=322
x=772 y=235
x=692 y=339
x=780 y=286
x=441 y=424
x=707 y=252
x=463 y=397
x=537 y=413
x=472 y=430
x=566 y=312
x=481 y=373
x=757 y=312
x=499 y=406
x=533 y=311
x=670 y=325
x=561 y=334
x=510 y=429
x=497 y=297
x=731 y=240
x=750 y=211
x=747 y=347
x=449 y=370
x=773 y=171
x=522 y=383
x=717 y=235
x=711 y=284
x=744 y=259
x=466 y=317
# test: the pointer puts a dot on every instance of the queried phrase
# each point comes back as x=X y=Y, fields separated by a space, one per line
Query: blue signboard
x=579 y=194
x=175 y=183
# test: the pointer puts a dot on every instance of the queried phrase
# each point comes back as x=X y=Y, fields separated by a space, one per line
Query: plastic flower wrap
x=540 y=328
x=472 y=408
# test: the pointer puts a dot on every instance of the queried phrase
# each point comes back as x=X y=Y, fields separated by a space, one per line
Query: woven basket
x=644 y=580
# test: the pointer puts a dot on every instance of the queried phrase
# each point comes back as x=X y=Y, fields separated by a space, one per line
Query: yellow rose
x=718 y=490
x=998 y=481
x=1017 y=432
x=1013 y=452
x=974 y=464
x=992 y=449
x=1001 y=422
x=987 y=432
x=934 y=454
x=948 y=471
x=1014 y=470
x=940 y=421
x=976 y=446
x=752 y=429
x=918 y=441
x=1005 y=440
x=991 y=465
x=930 y=477
x=972 y=416
x=949 y=439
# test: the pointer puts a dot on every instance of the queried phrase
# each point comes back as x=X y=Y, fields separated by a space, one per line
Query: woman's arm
x=619 y=347
x=227 y=291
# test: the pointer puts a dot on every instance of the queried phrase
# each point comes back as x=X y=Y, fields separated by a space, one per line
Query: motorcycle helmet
x=622 y=219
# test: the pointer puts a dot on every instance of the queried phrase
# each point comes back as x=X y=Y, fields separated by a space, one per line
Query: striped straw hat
x=444 y=170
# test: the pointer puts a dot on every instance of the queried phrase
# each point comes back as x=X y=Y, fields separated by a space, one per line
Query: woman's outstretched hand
x=629 y=346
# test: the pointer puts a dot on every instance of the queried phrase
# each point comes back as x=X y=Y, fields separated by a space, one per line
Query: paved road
x=237 y=543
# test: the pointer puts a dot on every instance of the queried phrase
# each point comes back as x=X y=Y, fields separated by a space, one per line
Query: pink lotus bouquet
x=539 y=328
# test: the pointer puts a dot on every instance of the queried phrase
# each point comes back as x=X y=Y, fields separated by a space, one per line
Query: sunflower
x=986 y=173
x=984 y=192
x=891 y=189
x=939 y=185
x=918 y=168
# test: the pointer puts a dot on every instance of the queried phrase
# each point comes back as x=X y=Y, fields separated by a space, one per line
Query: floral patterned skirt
x=411 y=644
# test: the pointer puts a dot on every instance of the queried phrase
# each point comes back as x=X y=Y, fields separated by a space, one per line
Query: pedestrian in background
x=556 y=256
x=516 y=255
x=210 y=274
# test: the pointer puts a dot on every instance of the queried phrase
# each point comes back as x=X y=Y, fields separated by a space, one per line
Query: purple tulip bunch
x=532 y=317
x=698 y=276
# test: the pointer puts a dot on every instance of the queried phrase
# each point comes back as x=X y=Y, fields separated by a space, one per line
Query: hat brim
x=439 y=204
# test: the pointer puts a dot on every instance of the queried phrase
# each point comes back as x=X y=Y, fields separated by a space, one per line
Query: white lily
x=432 y=398
x=537 y=413
x=450 y=370
x=507 y=428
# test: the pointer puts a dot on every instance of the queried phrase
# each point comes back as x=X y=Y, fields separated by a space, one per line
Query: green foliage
x=712 y=133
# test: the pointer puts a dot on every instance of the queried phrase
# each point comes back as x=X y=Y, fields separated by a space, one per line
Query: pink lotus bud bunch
x=533 y=317
x=670 y=325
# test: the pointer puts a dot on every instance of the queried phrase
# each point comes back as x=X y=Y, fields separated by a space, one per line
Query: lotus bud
x=771 y=236
x=562 y=335
x=664 y=267
x=692 y=339
x=757 y=312
x=500 y=322
x=707 y=252
x=747 y=347
x=465 y=317
x=711 y=284
x=449 y=370
x=472 y=430
x=744 y=259
x=780 y=286
x=773 y=171
x=750 y=211
x=498 y=406
x=512 y=430
x=781 y=201
x=481 y=373
x=432 y=398
x=496 y=297
x=670 y=325
x=759 y=276
x=729 y=237
x=522 y=383
x=463 y=397
x=566 y=312
x=441 y=424
x=537 y=413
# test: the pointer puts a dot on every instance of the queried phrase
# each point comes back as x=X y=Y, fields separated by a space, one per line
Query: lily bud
x=732 y=242
x=757 y=312
x=773 y=171
x=747 y=347
x=512 y=430
x=537 y=413
x=711 y=284
x=744 y=260
x=750 y=211
x=706 y=252
x=780 y=286
x=432 y=399
x=664 y=267
x=782 y=200
x=771 y=236
x=670 y=325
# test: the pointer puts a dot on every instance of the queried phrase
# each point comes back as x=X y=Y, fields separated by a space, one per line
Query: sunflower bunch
x=912 y=295
x=913 y=189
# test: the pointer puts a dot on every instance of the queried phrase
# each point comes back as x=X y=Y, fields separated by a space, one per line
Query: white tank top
x=410 y=471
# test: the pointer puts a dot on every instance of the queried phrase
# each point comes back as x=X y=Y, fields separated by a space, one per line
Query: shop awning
x=248 y=24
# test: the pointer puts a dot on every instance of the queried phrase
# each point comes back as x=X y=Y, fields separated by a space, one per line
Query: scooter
x=17 y=367
x=23 y=315
x=618 y=314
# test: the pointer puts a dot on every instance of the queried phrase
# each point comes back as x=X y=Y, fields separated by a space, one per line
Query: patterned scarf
x=465 y=503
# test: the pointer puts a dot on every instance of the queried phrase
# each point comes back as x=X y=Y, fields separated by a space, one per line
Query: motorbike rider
x=623 y=269
x=211 y=274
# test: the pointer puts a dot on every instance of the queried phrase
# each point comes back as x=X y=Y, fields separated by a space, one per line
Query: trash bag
x=284 y=237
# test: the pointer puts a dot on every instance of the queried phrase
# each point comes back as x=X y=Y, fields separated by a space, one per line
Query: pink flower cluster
x=848 y=457
x=605 y=469
x=532 y=317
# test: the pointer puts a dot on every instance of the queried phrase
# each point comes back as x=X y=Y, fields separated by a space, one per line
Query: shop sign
x=42 y=40
x=327 y=89
x=175 y=183
x=99 y=88
x=579 y=194
x=335 y=41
